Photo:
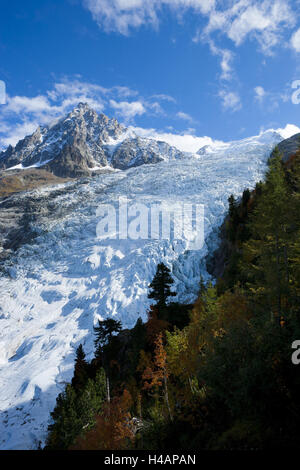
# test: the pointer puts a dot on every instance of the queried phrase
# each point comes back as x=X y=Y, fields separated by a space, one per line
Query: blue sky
x=217 y=68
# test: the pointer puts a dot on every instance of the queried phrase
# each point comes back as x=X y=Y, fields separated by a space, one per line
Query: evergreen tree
x=233 y=218
x=232 y=206
x=160 y=286
x=105 y=346
x=137 y=342
x=91 y=400
x=246 y=197
x=104 y=332
x=81 y=369
x=66 y=424
x=266 y=255
x=75 y=412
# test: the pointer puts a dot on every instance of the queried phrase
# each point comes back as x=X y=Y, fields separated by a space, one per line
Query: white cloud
x=184 y=116
x=128 y=110
x=188 y=142
x=295 y=41
x=185 y=141
x=19 y=104
x=226 y=60
x=17 y=132
x=122 y=15
x=164 y=97
x=260 y=93
x=70 y=92
x=230 y=100
x=155 y=107
x=272 y=99
x=263 y=21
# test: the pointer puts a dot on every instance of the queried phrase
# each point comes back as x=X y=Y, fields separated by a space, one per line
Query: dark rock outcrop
x=289 y=146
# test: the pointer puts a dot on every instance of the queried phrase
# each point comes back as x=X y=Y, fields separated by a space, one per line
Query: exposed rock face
x=289 y=146
x=17 y=181
x=81 y=143
x=71 y=162
x=138 y=151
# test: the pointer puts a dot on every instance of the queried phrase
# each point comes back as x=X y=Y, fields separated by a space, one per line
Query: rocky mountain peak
x=81 y=142
x=83 y=112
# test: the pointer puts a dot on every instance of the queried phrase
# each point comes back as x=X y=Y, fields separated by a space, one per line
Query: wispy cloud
x=184 y=116
x=226 y=60
x=264 y=22
x=123 y=15
x=271 y=99
x=261 y=20
x=128 y=110
x=231 y=100
x=295 y=41
x=164 y=97
x=259 y=93
x=185 y=141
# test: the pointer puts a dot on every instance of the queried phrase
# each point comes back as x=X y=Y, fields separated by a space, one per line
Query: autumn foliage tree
x=156 y=375
x=155 y=325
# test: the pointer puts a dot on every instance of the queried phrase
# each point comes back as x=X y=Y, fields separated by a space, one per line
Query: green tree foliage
x=75 y=412
x=267 y=255
x=160 y=286
x=105 y=330
x=81 y=370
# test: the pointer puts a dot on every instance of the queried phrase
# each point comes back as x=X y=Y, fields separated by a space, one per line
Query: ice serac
x=82 y=143
x=54 y=288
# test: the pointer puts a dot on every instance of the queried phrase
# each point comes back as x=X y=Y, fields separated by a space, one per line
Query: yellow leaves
x=179 y=353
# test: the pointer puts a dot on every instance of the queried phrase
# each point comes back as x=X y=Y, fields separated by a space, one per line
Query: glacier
x=54 y=289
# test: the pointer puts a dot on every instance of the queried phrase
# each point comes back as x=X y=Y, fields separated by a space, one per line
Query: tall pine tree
x=160 y=286
x=81 y=369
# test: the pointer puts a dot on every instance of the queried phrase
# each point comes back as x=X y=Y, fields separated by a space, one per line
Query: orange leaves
x=154 y=325
x=154 y=374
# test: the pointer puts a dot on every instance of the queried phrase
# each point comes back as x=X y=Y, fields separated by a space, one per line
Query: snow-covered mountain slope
x=56 y=288
x=83 y=142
